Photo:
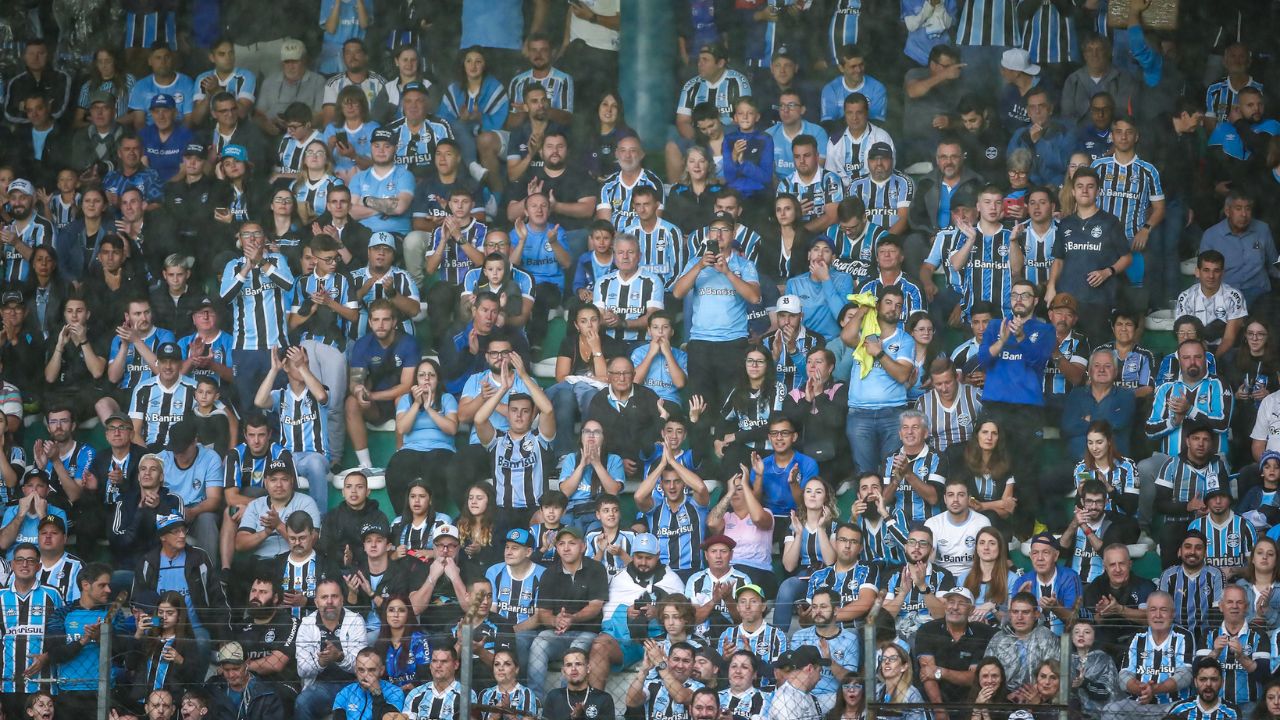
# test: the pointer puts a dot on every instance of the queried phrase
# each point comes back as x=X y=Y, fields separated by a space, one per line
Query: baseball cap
x=55 y=521
x=960 y=590
x=801 y=657
x=721 y=216
x=520 y=536
x=964 y=197
x=1213 y=485
x=35 y=473
x=374 y=528
x=382 y=239
x=101 y=96
x=235 y=152
x=1064 y=301
x=569 y=530
x=383 y=135
x=163 y=100
x=645 y=543
x=165 y=523
x=413 y=86
x=230 y=654
x=181 y=435
x=445 y=530
x=283 y=463
x=880 y=149
x=12 y=296
x=168 y=351
x=719 y=539
x=194 y=148
x=21 y=185
x=205 y=302
x=1019 y=60
x=715 y=50
x=118 y=415
x=749 y=586
x=292 y=49
x=789 y=304
x=829 y=242
x=1045 y=538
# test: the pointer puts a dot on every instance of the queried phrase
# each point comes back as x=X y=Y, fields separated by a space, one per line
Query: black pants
x=714 y=369
x=431 y=467
x=594 y=72
x=546 y=297
x=442 y=307
x=1021 y=427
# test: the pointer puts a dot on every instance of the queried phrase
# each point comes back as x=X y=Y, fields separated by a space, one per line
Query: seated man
x=262 y=529
x=571 y=598
x=1056 y=588
x=1117 y=600
x=1021 y=645
x=1197 y=586
x=1219 y=306
x=675 y=502
x=1156 y=672
x=1092 y=529
x=381 y=370
x=195 y=474
x=137 y=511
x=855 y=581
x=949 y=648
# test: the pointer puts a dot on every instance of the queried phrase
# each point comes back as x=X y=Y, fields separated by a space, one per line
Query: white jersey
x=953 y=544
x=1226 y=305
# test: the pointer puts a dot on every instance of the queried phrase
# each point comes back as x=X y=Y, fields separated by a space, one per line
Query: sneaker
x=845 y=487
x=477 y=171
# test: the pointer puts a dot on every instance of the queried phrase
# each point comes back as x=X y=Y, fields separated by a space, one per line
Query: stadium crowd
x=854 y=349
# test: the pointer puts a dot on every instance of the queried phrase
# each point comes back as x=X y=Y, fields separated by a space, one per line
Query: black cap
x=181 y=435
x=168 y=351
x=413 y=86
x=383 y=135
x=283 y=463
x=716 y=50
x=724 y=215
x=194 y=148
x=55 y=521
x=964 y=197
x=12 y=296
x=802 y=656
x=205 y=302
x=374 y=528
x=880 y=149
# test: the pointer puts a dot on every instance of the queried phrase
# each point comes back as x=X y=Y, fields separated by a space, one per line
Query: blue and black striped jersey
x=39 y=232
x=416 y=147
x=765 y=642
x=1193 y=597
x=24 y=617
x=303 y=421
x=515 y=600
x=988 y=274
x=559 y=86
x=323 y=324
x=884 y=200
x=1154 y=662
x=848 y=584
x=630 y=299
x=160 y=408
x=426 y=703
x=1037 y=252
x=680 y=533
x=822 y=189
x=659 y=248
x=136 y=369
x=1220 y=96
x=989 y=23
x=1050 y=36
x=1230 y=543
x=259 y=302
x=1127 y=190
x=615 y=195
x=1238 y=688
x=1208 y=402
x=520 y=468
x=455 y=265
x=723 y=93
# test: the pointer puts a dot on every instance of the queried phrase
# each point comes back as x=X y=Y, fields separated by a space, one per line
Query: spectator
x=1246 y=246
x=1198 y=584
x=1021 y=645
x=571 y=598
x=1153 y=687
x=326 y=655
x=259 y=699
x=949 y=649
x=879 y=381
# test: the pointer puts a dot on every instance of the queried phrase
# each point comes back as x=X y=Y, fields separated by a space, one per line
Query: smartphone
x=341 y=137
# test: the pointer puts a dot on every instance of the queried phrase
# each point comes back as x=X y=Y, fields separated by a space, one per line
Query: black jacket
x=630 y=431
x=203 y=587
x=260 y=701
x=342 y=530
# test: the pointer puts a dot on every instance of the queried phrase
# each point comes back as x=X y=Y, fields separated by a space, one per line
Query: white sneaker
x=477 y=171
x=846 y=486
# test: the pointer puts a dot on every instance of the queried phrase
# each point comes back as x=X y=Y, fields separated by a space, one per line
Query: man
x=1208 y=678
x=28 y=231
x=1230 y=537
x=767 y=642
x=299 y=405
x=1245 y=243
x=1240 y=650
x=381 y=193
x=262 y=529
x=238 y=692
x=1222 y=95
x=614 y=203
x=1019 y=76
x=269 y=631
x=524 y=145
x=723 y=284
x=667 y=694
x=571 y=197
x=371 y=696
x=557 y=83
x=1117 y=599
x=355 y=60
x=1013 y=356
x=790 y=126
x=161 y=401
x=1195 y=588
x=1067 y=364
x=59 y=569
x=293 y=82
x=516 y=584
x=1220 y=307
x=40 y=142
x=711 y=590
x=948 y=649
x=795 y=698
x=985 y=141
x=822 y=291
x=917 y=594
x=75 y=631
x=955 y=531
x=933 y=95
x=26 y=609
x=1021 y=644
x=65 y=460
x=1055 y=588
x=1098 y=75
x=853 y=79
x=629 y=413
x=37 y=79
x=99 y=142
x=1129 y=188
x=660 y=241
x=886 y=193
x=881 y=374
x=439 y=601
x=440 y=699
x=889 y=262
x=298 y=134
x=229 y=129
x=140 y=507
x=818 y=190
x=847 y=152
x=987 y=258
x=1049 y=141
x=517 y=454
x=382 y=363
x=935 y=203
x=950 y=408
x=417 y=132
x=1094 y=525
x=577 y=694
x=163 y=80
x=296 y=571
x=1102 y=398
x=571 y=598
x=163 y=141
x=256 y=287
x=634 y=291
x=1157 y=667
x=715 y=83
x=854 y=581
x=326 y=650
x=915 y=474
x=677 y=515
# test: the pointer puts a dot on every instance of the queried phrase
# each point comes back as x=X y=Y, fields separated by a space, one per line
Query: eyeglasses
x=889 y=658
x=327 y=259
x=622 y=373
x=119 y=428
x=253 y=234
x=314 y=153
x=282 y=200
x=756 y=361
x=1021 y=295
x=497 y=353
x=25 y=561
x=779 y=433
x=913 y=542
x=789 y=106
x=852 y=686
x=291 y=127
x=592 y=432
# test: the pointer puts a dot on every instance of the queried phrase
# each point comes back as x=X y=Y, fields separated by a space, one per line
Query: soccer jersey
x=658 y=704
x=718 y=311
x=766 y=642
x=988 y=274
x=1127 y=190
x=753 y=704
x=136 y=369
x=520 y=467
x=403 y=284
x=416 y=147
x=1075 y=347
x=243 y=471
x=1192 y=710
x=144 y=29
x=989 y=23
x=160 y=408
x=1221 y=96
x=1155 y=662
x=1226 y=305
x=723 y=93
x=557 y=83
x=954 y=542
x=848 y=584
x=24 y=618
x=1064 y=586
x=1230 y=543
x=375 y=183
x=615 y=195
x=1137 y=369
x=455 y=265
x=883 y=539
x=612 y=563
x=371 y=85
x=538 y=257
x=39 y=232
x=303 y=421
x=1194 y=596
x=1037 y=252
x=745 y=241
x=914 y=611
x=847 y=155
x=1121 y=478
x=492 y=103
x=822 y=189
x=928 y=466
x=301 y=577
x=628 y=299
x=324 y=325
x=1238 y=688
x=425 y=702
x=1209 y=402
x=315 y=194
x=951 y=425
x=259 y=302
x=521 y=698
x=1049 y=35
x=515 y=600
x=241 y=83
x=680 y=533
x=62 y=576
x=700 y=587
x=182 y=88
x=883 y=200
x=659 y=247
x=912 y=298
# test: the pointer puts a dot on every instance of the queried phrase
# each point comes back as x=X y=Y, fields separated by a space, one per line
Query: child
x=553 y=505
x=539 y=248
x=753 y=634
x=610 y=544
x=513 y=287
x=61 y=207
x=660 y=366
x=1092 y=672
x=411 y=532
x=748 y=154
x=215 y=423
x=1261 y=504
x=455 y=249
x=594 y=263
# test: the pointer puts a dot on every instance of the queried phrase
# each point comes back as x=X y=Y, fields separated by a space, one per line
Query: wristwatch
x=937 y=674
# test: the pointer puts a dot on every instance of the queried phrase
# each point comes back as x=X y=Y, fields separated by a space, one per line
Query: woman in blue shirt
x=350 y=139
x=405 y=649
x=478 y=102
x=586 y=474
x=427 y=419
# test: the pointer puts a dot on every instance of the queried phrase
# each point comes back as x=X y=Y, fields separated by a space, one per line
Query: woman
x=476 y=105
x=1269 y=707
x=507 y=690
x=408 y=64
x=744 y=418
x=690 y=203
x=515 y=292
x=784 y=246
x=928 y=347
x=426 y=420
x=1093 y=672
x=588 y=473
x=894 y=683
x=1066 y=200
x=106 y=74
x=584 y=355
x=411 y=531
x=708 y=132
x=1044 y=690
x=350 y=139
x=1262 y=585
x=1251 y=371
x=476 y=525
x=986 y=463
x=610 y=126
x=991 y=578
x=1019 y=164
x=807 y=548
x=164 y=654
x=77 y=243
x=742 y=698
x=405 y=650
x=740 y=515
x=988 y=689
x=45 y=292
x=818 y=412
x=311 y=188
x=1103 y=462
x=285 y=230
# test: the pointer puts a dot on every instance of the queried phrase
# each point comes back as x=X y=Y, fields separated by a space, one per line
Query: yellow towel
x=870 y=326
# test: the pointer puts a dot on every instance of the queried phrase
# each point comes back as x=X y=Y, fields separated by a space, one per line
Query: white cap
x=789 y=304
x=445 y=530
x=1019 y=60
x=960 y=590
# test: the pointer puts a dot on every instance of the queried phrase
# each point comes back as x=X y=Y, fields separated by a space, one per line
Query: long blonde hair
x=898 y=693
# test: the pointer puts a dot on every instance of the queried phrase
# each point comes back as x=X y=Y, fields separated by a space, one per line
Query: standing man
x=883 y=369
x=1090 y=249
x=257 y=286
x=1129 y=188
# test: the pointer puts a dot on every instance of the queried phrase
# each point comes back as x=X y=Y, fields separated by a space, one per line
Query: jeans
x=414 y=248
x=1162 y=277
x=204 y=650
x=1148 y=469
x=791 y=590
x=250 y=368
x=316 y=701
x=549 y=646
x=873 y=436
x=314 y=467
x=570 y=402
x=329 y=364
x=203 y=533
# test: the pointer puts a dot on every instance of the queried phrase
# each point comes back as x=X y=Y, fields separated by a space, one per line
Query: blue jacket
x=755 y=173
x=1017 y=375
x=1052 y=151
x=1116 y=408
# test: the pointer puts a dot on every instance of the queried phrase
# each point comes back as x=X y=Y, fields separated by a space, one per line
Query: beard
x=872 y=511
x=259 y=611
